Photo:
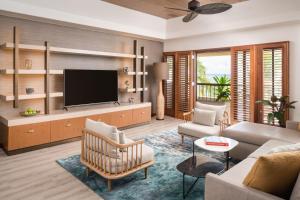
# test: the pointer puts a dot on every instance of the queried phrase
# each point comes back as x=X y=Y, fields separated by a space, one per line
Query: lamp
x=161 y=73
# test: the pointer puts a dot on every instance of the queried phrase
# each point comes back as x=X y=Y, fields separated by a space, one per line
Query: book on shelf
x=216 y=141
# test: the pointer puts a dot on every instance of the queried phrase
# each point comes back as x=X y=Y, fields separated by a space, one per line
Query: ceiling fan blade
x=178 y=9
x=189 y=17
x=213 y=8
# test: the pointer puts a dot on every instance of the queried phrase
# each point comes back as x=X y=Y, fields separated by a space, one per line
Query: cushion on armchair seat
x=197 y=130
x=220 y=109
x=117 y=165
x=204 y=117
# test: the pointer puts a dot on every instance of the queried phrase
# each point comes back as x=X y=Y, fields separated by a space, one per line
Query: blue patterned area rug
x=163 y=182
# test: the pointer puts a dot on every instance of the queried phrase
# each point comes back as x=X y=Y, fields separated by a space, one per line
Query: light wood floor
x=35 y=175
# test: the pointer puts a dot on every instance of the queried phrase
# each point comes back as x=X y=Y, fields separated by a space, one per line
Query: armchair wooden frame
x=223 y=123
x=94 y=151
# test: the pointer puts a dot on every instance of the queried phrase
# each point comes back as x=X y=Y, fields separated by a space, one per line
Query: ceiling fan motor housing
x=193 y=5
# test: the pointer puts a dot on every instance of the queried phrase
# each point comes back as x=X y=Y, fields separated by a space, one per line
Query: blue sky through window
x=215 y=65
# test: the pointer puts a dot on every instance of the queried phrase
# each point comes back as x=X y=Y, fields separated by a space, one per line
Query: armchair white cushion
x=219 y=109
x=197 y=130
x=204 y=117
x=106 y=130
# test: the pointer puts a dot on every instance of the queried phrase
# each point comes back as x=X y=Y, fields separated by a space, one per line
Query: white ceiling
x=99 y=14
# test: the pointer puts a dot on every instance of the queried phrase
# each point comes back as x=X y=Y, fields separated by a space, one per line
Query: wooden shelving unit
x=47 y=49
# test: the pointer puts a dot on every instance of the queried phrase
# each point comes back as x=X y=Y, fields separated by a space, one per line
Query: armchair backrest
x=220 y=110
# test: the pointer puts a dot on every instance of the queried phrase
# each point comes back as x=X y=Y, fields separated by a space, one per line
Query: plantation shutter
x=273 y=69
x=169 y=86
x=242 y=95
x=183 y=84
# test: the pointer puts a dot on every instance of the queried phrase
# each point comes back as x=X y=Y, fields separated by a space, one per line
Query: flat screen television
x=82 y=87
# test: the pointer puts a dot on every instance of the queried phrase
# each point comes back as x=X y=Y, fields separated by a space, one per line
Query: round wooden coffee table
x=222 y=149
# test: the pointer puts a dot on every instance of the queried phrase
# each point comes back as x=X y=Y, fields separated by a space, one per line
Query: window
x=213 y=75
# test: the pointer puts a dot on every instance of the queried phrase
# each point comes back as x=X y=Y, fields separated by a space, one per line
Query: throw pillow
x=122 y=140
x=285 y=148
x=275 y=173
x=296 y=191
x=220 y=109
x=204 y=117
x=104 y=130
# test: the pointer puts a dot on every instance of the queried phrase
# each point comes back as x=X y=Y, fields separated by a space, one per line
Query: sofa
x=254 y=140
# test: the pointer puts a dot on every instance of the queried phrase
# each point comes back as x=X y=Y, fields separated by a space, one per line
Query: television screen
x=90 y=86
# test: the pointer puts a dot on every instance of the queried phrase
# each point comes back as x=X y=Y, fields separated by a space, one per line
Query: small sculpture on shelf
x=127 y=84
x=28 y=64
x=125 y=69
x=131 y=100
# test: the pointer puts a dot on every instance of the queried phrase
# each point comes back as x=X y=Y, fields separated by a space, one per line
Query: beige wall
x=66 y=36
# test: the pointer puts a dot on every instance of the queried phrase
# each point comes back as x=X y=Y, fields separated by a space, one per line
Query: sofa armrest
x=218 y=188
x=292 y=125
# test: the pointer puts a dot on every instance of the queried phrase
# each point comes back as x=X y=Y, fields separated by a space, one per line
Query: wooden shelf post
x=135 y=62
x=16 y=63
x=143 y=77
x=47 y=78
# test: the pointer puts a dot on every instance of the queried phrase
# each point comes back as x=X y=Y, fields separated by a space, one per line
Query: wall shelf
x=8 y=45
x=30 y=96
x=134 y=73
x=30 y=71
x=128 y=90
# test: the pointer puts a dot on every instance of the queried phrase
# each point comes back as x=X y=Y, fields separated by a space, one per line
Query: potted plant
x=223 y=88
x=279 y=106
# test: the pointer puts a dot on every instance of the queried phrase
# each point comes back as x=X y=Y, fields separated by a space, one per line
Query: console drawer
x=28 y=135
x=141 y=115
x=121 y=118
x=67 y=128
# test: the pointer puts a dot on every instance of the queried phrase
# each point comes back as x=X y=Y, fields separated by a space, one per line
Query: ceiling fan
x=194 y=8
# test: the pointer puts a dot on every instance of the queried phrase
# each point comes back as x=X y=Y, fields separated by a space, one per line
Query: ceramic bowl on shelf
x=29 y=90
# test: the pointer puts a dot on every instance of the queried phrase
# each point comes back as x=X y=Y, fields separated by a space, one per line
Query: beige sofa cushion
x=119 y=164
x=204 y=117
x=267 y=147
x=286 y=148
x=259 y=134
x=237 y=173
x=220 y=109
x=275 y=173
x=197 y=130
x=106 y=130
x=296 y=191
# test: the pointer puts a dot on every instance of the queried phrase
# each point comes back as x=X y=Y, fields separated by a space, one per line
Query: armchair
x=194 y=130
x=112 y=160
